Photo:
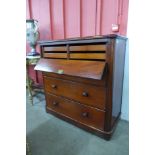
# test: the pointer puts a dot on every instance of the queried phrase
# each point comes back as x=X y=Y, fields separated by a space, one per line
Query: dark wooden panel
x=83 y=114
x=101 y=56
x=86 y=94
x=85 y=69
x=88 y=48
x=109 y=78
x=118 y=74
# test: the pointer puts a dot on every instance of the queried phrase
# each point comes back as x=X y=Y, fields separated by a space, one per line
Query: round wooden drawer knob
x=85 y=94
x=54 y=86
x=85 y=114
x=55 y=103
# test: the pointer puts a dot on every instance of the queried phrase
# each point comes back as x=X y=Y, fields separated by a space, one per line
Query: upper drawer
x=88 y=48
x=55 y=55
x=83 y=93
x=59 y=52
x=55 y=48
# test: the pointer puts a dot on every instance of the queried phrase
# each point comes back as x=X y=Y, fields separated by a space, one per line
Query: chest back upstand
x=83 y=81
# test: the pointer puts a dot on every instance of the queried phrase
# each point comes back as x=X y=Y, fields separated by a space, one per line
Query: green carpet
x=48 y=135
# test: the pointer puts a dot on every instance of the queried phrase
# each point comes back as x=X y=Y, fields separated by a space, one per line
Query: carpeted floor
x=48 y=135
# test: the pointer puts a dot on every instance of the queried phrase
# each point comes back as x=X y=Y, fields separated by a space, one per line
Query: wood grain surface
x=80 y=68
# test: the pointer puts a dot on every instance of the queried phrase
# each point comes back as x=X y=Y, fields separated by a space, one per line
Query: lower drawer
x=75 y=111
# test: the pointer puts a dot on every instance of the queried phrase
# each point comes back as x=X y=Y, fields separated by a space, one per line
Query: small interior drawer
x=86 y=48
x=55 y=48
x=55 y=55
x=87 y=56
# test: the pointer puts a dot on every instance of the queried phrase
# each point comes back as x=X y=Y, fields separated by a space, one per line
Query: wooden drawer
x=87 y=52
x=88 y=48
x=83 y=93
x=55 y=48
x=75 y=111
x=87 y=56
x=55 y=55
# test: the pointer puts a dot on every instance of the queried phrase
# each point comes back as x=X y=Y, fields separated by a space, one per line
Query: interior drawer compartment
x=86 y=48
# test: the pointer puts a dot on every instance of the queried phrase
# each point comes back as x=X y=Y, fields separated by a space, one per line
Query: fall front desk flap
x=79 y=68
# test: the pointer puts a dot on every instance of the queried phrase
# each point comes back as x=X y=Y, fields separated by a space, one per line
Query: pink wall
x=61 y=19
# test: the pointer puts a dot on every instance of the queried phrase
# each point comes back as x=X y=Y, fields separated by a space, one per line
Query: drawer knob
x=85 y=114
x=54 y=86
x=85 y=94
x=55 y=103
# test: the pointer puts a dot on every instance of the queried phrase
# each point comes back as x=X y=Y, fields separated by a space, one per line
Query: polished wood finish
x=54 y=49
x=87 y=48
x=80 y=92
x=55 y=55
x=119 y=58
x=76 y=111
x=101 y=82
x=88 y=91
x=99 y=56
x=85 y=69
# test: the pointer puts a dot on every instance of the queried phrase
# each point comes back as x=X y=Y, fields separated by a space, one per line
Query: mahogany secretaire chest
x=83 y=81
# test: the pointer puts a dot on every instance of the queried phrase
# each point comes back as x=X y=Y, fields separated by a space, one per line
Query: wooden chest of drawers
x=83 y=81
